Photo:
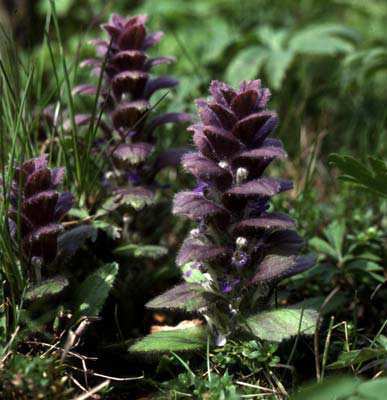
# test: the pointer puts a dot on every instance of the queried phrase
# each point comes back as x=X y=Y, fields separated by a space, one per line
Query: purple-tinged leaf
x=43 y=242
x=112 y=30
x=264 y=99
x=129 y=60
x=284 y=242
x=254 y=125
x=254 y=85
x=194 y=249
x=245 y=103
x=264 y=153
x=153 y=62
x=40 y=208
x=91 y=62
x=207 y=116
x=223 y=143
x=222 y=93
x=127 y=114
x=206 y=170
x=169 y=158
x=57 y=175
x=264 y=187
x=70 y=241
x=277 y=267
x=80 y=120
x=152 y=39
x=202 y=143
x=39 y=180
x=132 y=38
x=132 y=82
x=101 y=46
x=161 y=82
x=64 y=204
x=84 y=90
x=267 y=222
x=226 y=117
x=186 y=296
x=167 y=118
x=137 y=20
x=267 y=128
x=132 y=154
x=196 y=206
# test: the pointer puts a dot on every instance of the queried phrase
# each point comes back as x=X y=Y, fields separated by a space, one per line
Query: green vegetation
x=91 y=257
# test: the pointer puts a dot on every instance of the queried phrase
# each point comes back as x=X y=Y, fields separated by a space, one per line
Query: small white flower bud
x=223 y=164
x=126 y=218
x=241 y=175
x=241 y=242
x=195 y=232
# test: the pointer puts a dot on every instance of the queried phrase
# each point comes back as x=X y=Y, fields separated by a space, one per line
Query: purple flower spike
x=243 y=244
x=37 y=209
x=127 y=88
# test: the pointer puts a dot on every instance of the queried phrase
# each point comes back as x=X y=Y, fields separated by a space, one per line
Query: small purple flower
x=240 y=259
x=228 y=285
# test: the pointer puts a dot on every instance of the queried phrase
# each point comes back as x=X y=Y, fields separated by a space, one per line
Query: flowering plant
x=240 y=249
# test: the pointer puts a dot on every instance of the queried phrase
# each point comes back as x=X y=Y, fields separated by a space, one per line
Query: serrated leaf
x=282 y=323
x=186 y=296
x=355 y=172
x=47 y=288
x=93 y=292
x=188 y=339
x=146 y=251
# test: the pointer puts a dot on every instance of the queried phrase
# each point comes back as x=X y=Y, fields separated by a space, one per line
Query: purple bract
x=242 y=244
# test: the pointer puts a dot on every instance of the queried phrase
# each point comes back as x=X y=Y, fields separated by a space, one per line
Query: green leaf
x=47 y=288
x=282 y=323
x=335 y=234
x=276 y=66
x=62 y=7
x=322 y=246
x=146 y=251
x=330 y=389
x=246 y=63
x=137 y=198
x=94 y=290
x=186 y=296
x=188 y=339
x=374 y=180
x=323 y=39
x=356 y=357
x=379 y=166
x=373 y=389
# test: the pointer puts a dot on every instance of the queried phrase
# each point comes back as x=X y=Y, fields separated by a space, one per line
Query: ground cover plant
x=164 y=232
